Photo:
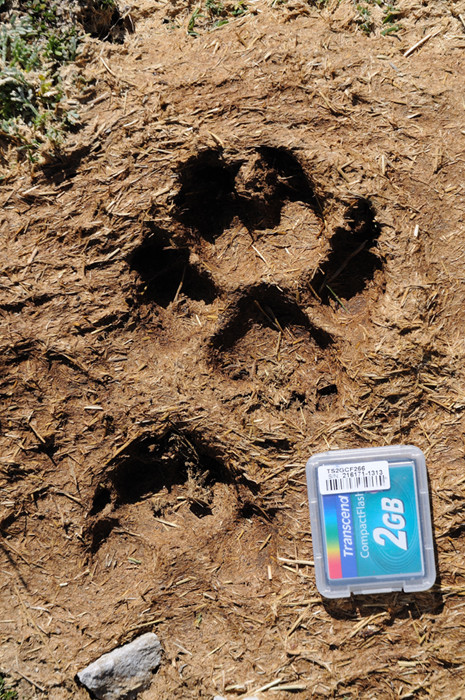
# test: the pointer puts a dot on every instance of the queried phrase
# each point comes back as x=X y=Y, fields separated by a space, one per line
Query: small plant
x=42 y=12
x=214 y=14
x=364 y=19
x=391 y=15
x=62 y=46
x=239 y=9
x=192 y=21
x=17 y=97
x=373 y=13
x=105 y=4
x=4 y=693
x=33 y=47
x=311 y=3
x=214 y=8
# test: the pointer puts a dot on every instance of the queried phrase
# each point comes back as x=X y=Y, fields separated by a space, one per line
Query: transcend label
x=354 y=478
x=374 y=533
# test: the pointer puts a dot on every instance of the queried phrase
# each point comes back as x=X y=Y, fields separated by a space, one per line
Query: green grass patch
x=213 y=14
x=106 y=4
x=311 y=3
x=34 y=47
x=370 y=15
x=377 y=14
x=6 y=694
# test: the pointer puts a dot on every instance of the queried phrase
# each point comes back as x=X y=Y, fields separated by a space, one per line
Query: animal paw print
x=235 y=212
x=254 y=243
x=351 y=263
x=214 y=192
x=176 y=475
x=259 y=228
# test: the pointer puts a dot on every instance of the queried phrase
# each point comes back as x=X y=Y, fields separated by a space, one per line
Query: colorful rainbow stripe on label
x=339 y=530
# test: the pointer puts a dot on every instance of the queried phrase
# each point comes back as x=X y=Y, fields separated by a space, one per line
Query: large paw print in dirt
x=240 y=221
x=214 y=192
x=176 y=481
x=260 y=243
x=266 y=260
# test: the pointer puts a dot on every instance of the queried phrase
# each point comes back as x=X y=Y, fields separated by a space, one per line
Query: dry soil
x=253 y=250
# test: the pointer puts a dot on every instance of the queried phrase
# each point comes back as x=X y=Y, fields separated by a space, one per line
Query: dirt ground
x=253 y=250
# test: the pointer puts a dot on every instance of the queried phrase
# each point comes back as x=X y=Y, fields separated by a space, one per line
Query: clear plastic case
x=371 y=522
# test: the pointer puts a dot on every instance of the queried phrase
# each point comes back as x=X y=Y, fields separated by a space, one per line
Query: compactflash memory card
x=371 y=523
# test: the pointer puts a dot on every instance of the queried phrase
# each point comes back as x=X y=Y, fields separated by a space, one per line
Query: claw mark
x=167 y=272
x=351 y=263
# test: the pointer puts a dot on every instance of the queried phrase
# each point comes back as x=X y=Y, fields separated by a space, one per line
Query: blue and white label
x=374 y=533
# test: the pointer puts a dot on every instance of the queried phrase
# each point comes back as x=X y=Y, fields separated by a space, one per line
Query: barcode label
x=353 y=478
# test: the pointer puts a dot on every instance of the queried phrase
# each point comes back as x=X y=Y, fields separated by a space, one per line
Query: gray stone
x=123 y=672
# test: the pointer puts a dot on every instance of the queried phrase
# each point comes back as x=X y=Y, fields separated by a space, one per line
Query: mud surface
x=252 y=251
